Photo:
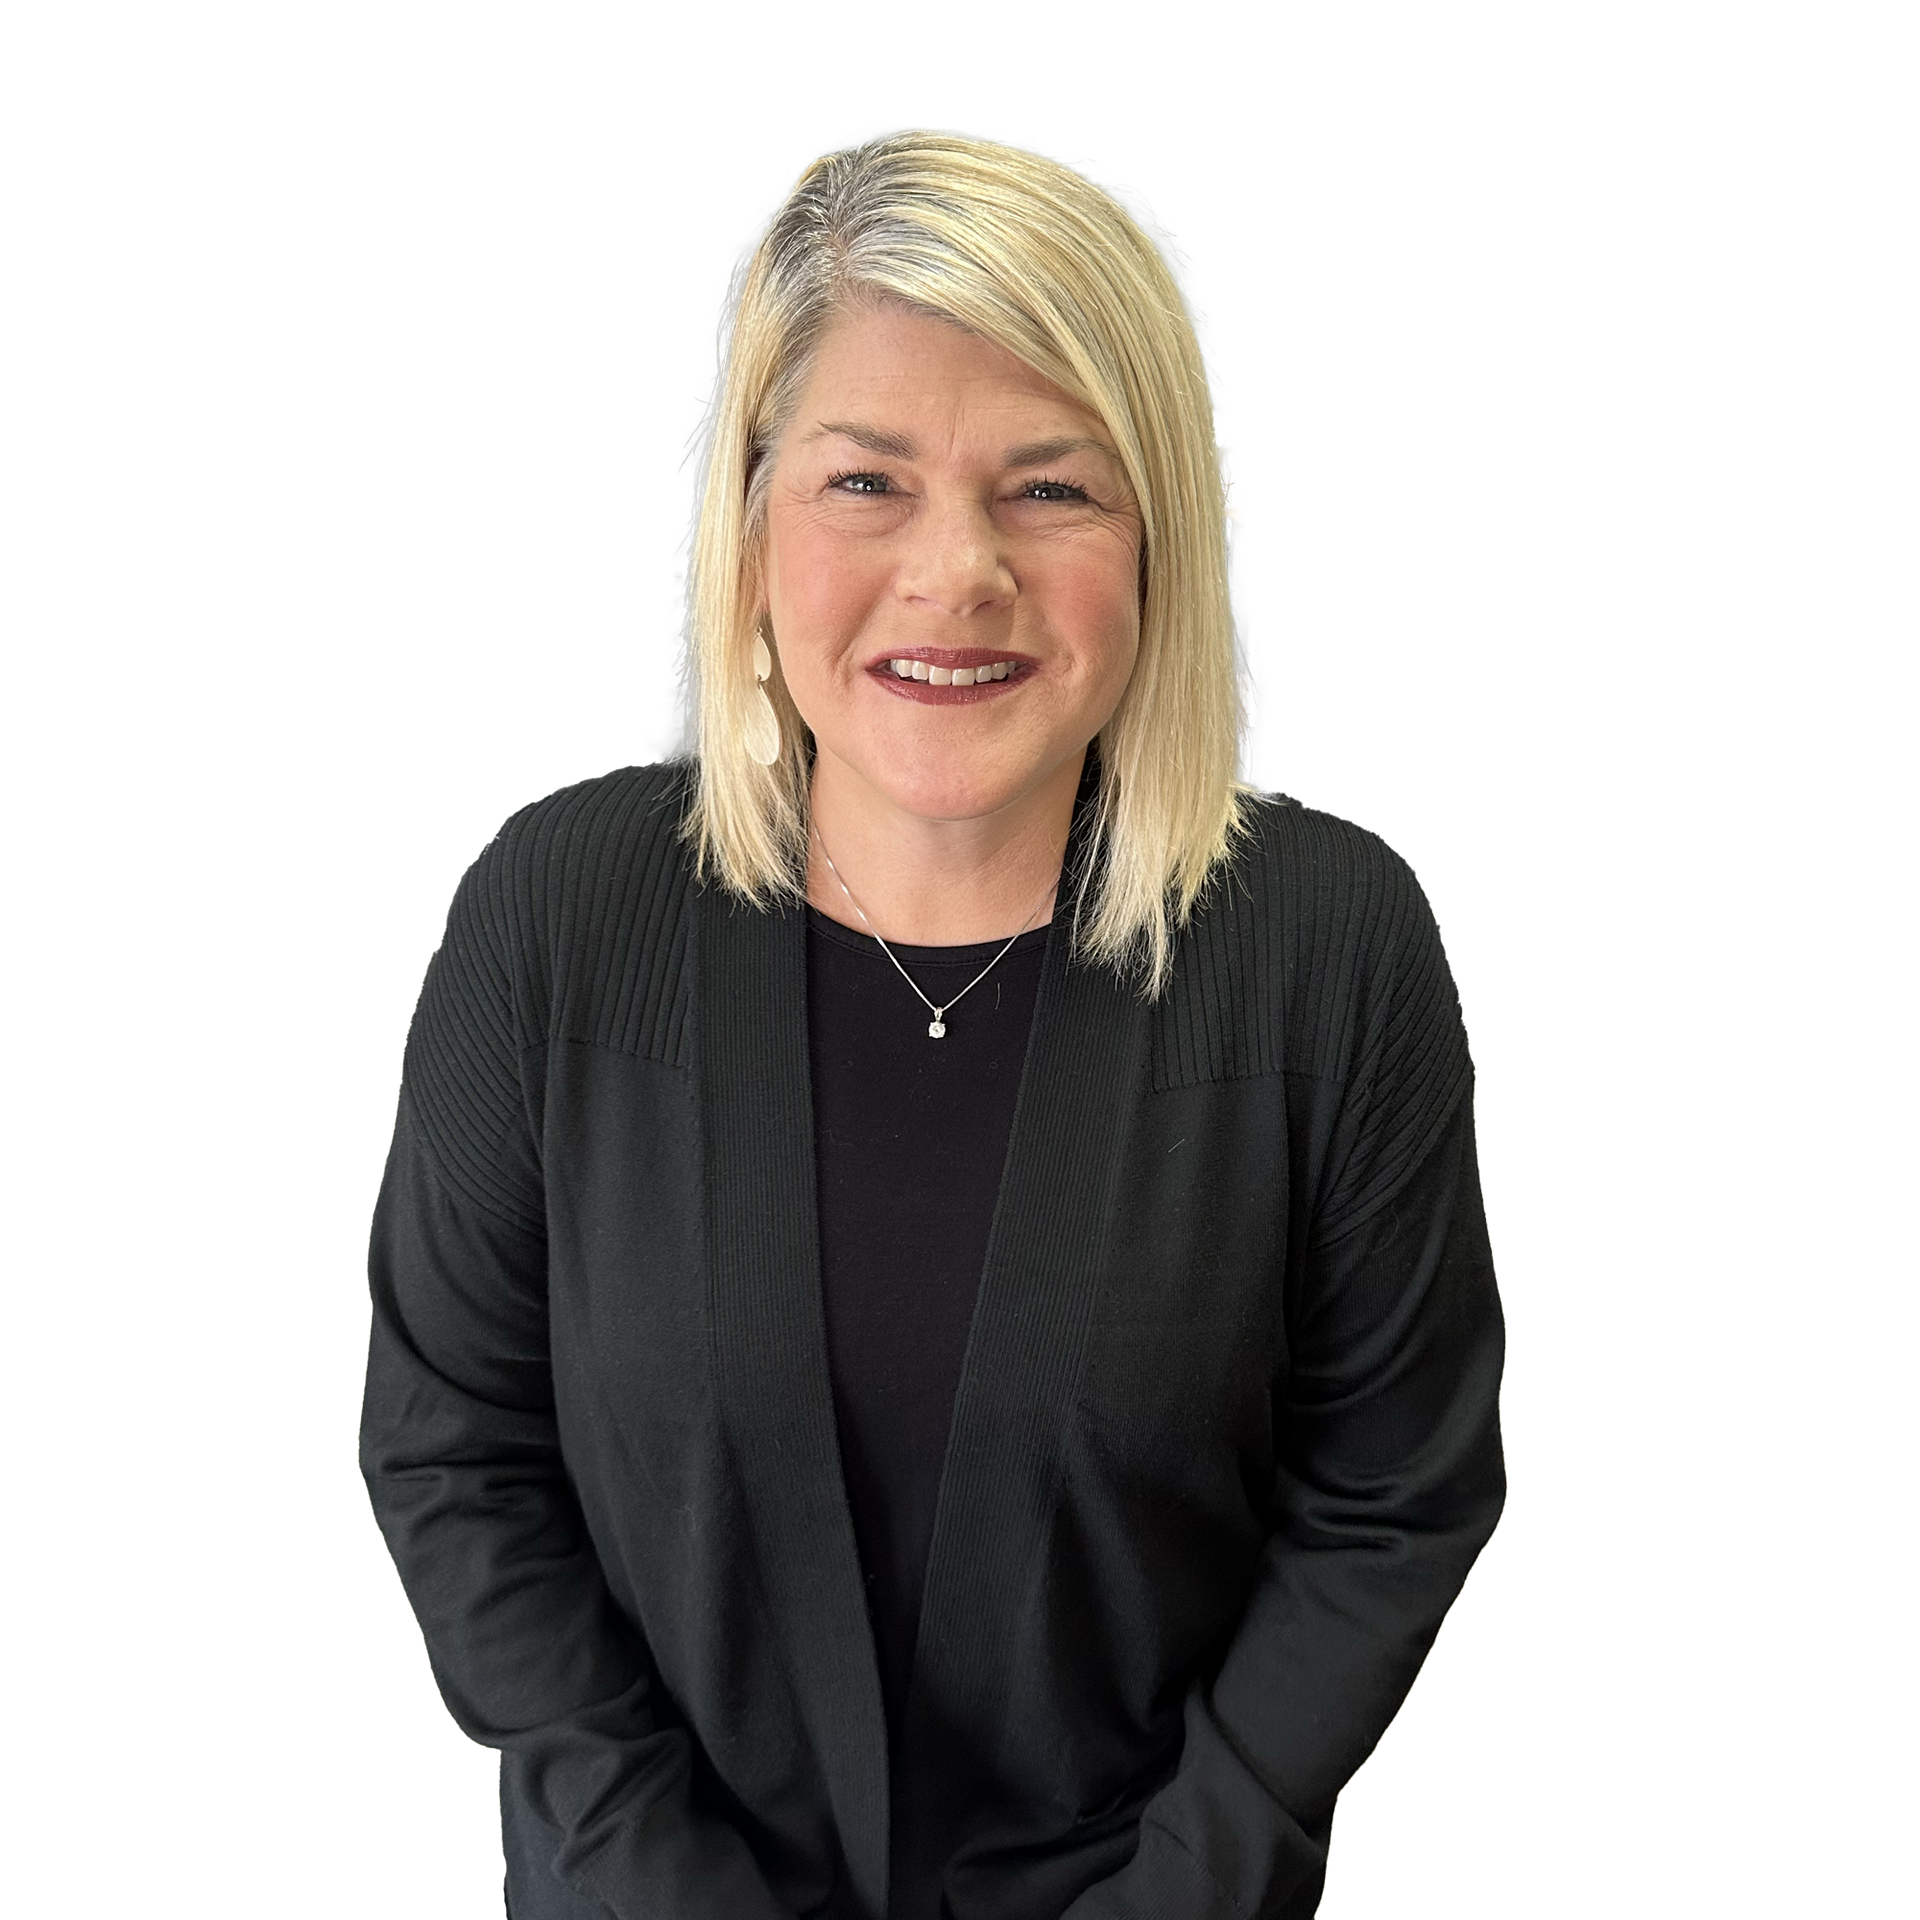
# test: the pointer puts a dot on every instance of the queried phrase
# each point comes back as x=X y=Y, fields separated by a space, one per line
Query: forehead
x=909 y=384
x=894 y=366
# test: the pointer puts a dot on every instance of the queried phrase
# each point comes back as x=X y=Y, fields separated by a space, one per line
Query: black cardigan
x=1224 y=1447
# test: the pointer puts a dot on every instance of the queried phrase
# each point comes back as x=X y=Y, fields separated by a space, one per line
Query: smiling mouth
x=943 y=676
x=904 y=669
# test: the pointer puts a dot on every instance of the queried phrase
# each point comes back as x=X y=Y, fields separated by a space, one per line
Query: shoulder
x=1333 y=937
x=571 y=832
x=1320 y=874
x=575 y=842
x=581 y=898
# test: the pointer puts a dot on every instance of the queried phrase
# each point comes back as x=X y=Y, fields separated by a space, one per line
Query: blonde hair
x=1027 y=254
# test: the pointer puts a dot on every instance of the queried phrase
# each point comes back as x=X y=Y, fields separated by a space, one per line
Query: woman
x=934 y=1348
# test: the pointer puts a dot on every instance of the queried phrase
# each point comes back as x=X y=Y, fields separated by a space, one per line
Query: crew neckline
x=859 y=941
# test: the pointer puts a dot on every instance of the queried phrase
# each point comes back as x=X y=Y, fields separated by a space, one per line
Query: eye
x=859 y=483
x=1052 y=490
x=1060 y=486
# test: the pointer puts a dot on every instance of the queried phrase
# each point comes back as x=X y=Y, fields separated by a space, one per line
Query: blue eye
x=859 y=482
x=1054 y=490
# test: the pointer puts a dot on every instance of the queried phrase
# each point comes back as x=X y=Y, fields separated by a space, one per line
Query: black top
x=910 y=1135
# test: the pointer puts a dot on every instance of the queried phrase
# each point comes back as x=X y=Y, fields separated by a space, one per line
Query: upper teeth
x=950 y=676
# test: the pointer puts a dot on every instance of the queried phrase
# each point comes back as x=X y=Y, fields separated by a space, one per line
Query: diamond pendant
x=937 y=1029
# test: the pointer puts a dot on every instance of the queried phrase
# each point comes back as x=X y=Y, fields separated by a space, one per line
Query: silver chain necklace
x=937 y=1027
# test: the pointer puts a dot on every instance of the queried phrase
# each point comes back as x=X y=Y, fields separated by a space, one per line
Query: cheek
x=1093 y=602
x=819 y=588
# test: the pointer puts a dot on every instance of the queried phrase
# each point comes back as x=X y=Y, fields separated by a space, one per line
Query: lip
x=930 y=696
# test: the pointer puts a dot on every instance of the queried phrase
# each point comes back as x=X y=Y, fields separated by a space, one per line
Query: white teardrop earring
x=763 y=724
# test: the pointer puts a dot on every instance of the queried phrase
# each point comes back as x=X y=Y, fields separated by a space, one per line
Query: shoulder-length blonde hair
x=1029 y=255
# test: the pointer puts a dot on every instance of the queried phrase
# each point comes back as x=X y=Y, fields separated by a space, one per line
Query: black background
x=502 y=323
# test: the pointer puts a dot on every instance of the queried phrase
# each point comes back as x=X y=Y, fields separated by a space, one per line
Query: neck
x=938 y=883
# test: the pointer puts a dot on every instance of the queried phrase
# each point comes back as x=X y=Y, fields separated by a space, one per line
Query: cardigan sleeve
x=462 y=1458
x=1389 y=1477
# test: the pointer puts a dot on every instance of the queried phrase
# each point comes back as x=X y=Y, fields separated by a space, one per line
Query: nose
x=953 y=563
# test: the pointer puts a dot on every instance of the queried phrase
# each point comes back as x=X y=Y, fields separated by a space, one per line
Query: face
x=951 y=569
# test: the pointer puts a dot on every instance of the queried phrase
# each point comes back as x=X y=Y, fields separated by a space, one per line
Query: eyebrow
x=1034 y=453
